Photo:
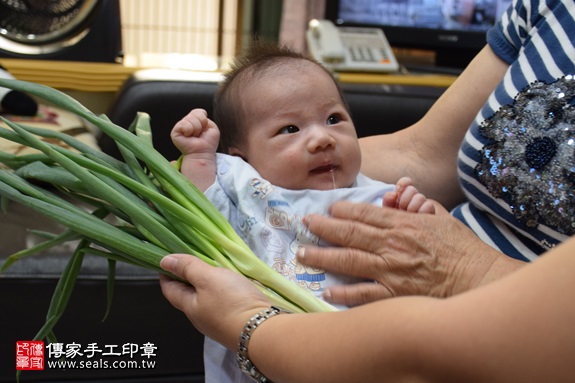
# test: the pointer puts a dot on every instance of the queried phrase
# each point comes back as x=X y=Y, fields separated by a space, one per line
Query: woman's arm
x=427 y=151
x=518 y=328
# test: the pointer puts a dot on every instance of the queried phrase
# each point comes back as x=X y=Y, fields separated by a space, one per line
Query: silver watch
x=242 y=357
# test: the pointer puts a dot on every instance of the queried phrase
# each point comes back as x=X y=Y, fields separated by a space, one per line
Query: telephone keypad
x=365 y=45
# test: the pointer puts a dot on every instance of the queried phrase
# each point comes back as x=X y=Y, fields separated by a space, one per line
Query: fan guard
x=43 y=26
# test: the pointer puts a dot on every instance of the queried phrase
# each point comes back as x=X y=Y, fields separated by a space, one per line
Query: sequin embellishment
x=529 y=161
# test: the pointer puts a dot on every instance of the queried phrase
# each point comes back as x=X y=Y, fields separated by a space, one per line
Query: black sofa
x=139 y=313
x=168 y=95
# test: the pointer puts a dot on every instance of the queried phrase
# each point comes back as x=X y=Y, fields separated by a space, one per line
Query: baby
x=291 y=149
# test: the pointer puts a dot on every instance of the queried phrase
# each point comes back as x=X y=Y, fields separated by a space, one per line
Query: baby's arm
x=407 y=197
x=197 y=138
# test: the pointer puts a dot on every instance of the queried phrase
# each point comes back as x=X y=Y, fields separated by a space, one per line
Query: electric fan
x=75 y=30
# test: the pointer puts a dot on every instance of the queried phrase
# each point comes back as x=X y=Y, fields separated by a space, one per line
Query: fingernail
x=326 y=295
x=169 y=263
x=300 y=253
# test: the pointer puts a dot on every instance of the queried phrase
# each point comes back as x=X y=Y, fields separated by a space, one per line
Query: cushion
x=49 y=117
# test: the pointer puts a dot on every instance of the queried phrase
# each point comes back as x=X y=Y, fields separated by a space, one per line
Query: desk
x=435 y=80
x=80 y=76
x=108 y=77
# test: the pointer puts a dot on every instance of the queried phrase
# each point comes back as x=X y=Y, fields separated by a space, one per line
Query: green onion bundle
x=142 y=208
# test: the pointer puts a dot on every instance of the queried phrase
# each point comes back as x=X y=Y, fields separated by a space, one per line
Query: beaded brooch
x=529 y=161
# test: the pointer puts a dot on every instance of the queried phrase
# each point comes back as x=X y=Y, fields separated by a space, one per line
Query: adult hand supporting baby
x=404 y=253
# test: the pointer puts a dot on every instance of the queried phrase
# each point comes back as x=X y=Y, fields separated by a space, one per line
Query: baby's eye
x=289 y=129
x=333 y=119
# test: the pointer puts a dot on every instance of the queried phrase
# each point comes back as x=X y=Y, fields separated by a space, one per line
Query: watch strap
x=243 y=359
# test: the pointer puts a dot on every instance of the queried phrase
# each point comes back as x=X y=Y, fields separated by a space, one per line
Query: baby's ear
x=235 y=151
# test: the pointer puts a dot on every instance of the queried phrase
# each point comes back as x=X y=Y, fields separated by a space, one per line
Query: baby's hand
x=196 y=133
x=407 y=197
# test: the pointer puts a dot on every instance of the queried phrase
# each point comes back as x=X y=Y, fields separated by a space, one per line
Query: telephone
x=351 y=49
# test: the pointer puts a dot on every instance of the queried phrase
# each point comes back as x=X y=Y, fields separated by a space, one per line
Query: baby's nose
x=320 y=139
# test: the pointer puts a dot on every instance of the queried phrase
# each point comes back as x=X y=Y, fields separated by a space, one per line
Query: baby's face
x=299 y=134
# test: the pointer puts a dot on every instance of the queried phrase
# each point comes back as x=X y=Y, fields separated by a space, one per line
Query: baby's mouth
x=324 y=169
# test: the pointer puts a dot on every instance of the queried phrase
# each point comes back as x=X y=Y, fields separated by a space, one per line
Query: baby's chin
x=317 y=185
x=315 y=181
x=330 y=181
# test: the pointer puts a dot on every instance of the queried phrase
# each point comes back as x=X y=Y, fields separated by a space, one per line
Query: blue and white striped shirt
x=536 y=38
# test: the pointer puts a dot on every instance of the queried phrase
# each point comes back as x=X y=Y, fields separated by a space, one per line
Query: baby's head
x=286 y=116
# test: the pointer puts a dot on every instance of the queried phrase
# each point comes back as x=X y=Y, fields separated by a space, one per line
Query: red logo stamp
x=29 y=355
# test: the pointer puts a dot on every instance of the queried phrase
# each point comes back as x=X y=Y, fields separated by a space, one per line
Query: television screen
x=454 y=29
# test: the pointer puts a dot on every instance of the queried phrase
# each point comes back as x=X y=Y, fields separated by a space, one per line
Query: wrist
x=483 y=267
x=243 y=359
x=209 y=156
x=199 y=168
x=500 y=267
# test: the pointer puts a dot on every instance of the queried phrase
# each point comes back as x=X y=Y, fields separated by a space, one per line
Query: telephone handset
x=350 y=48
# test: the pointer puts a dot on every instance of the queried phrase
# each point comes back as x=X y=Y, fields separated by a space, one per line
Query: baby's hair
x=260 y=60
